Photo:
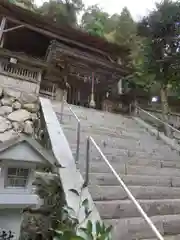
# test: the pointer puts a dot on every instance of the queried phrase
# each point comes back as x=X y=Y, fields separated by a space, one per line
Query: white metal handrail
x=126 y=189
x=78 y=135
x=158 y=119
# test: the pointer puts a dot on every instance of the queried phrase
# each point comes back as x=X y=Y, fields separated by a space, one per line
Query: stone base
x=59 y=94
x=19 y=113
x=108 y=106
x=10 y=220
x=19 y=85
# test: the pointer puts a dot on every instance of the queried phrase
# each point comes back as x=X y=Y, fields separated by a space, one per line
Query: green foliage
x=120 y=29
x=49 y=189
x=70 y=228
x=94 y=20
x=38 y=221
x=61 y=221
x=62 y=11
x=125 y=29
x=28 y=4
x=157 y=60
x=162 y=32
x=161 y=51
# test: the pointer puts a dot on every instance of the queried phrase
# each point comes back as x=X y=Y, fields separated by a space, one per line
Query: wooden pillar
x=120 y=87
x=120 y=80
x=92 y=103
x=53 y=91
x=2 y=27
x=79 y=97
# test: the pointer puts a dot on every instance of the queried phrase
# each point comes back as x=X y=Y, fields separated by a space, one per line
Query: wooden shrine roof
x=85 y=61
x=62 y=32
x=63 y=45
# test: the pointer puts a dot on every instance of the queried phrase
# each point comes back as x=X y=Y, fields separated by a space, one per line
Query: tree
x=161 y=53
x=94 y=20
x=62 y=11
x=126 y=28
x=98 y=22
x=112 y=23
x=28 y=4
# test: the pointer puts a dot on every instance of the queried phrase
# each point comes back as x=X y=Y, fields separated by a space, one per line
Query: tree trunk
x=165 y=109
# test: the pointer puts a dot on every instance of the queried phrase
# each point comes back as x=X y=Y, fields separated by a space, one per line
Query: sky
x=138 y=8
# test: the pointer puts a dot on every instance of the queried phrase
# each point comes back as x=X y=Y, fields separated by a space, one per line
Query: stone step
x=120 y=153
x=152 y=171
x=129 y=169
x=118 y=142
x=126 y=209
x=137 y=228
x=125 y=156
x=121 y=131
x=174 y=237
x=138 y=161
x=105 y=193
x=113 y=151
x=133 y=180
x=101 y=167
x=118 y=126
x=121 y=135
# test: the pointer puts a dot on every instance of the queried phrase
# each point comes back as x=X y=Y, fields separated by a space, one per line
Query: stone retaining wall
x=19 y=113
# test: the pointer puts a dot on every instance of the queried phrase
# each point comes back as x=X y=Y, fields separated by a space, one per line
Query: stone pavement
x=148 y=166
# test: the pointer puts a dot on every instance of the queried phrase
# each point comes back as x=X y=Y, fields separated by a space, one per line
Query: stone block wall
x=19 y=76
x=19 y=85
x=19 y=113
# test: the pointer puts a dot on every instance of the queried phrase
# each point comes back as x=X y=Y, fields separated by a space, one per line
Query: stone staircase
x=150 y=169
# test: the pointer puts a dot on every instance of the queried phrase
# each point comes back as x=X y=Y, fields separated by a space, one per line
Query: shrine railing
x=90 y=141
x=158 y=122
x=18 y=71
x=78 y=129
x=69 y=169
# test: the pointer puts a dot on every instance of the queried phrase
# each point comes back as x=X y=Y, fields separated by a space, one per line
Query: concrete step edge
x=139 y=200
x=140 y=192
x=172 y=237
x=134 y=170
x=133 y=180
x=116 y=209
x=137 y=228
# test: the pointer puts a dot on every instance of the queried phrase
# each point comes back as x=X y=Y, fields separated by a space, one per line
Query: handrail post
x=87 y=161
x=62 y=108
x=130 y=109
x=78 y=142
x=136 y=110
